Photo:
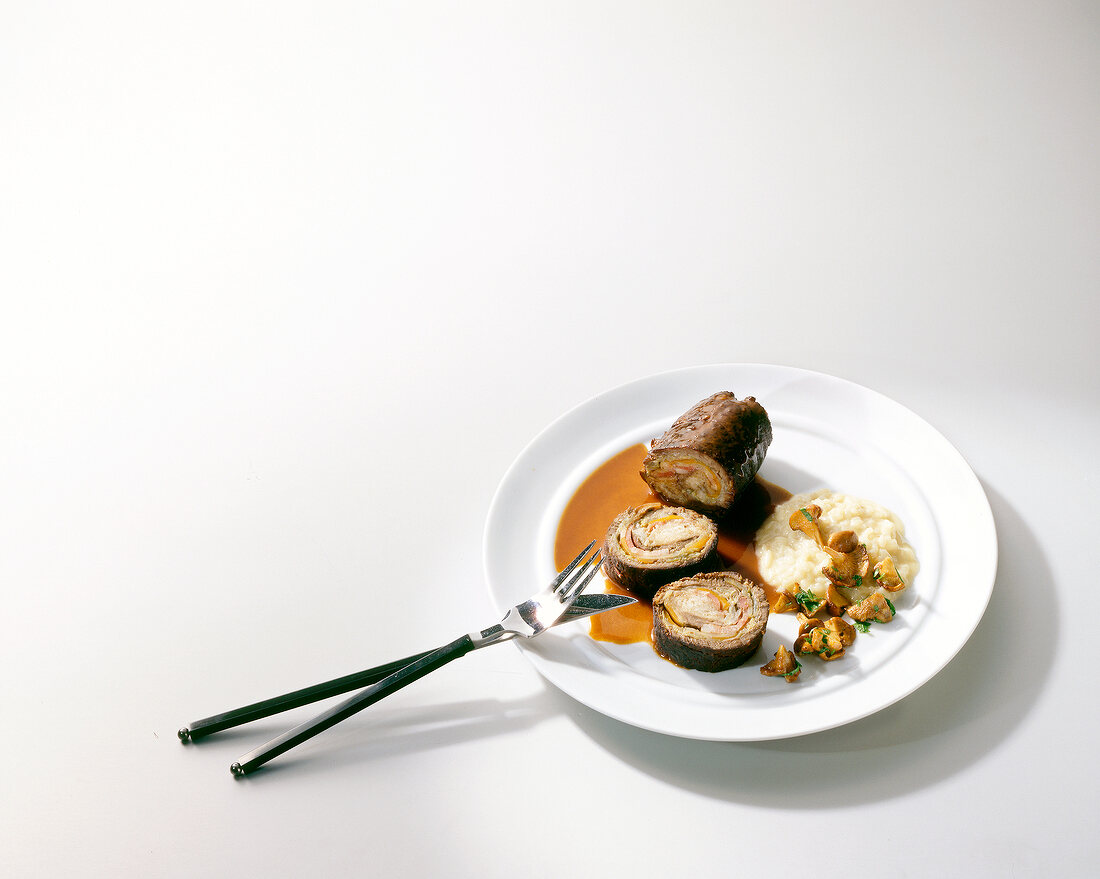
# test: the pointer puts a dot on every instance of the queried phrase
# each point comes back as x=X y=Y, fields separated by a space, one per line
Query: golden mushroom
x=887 y=576
x=835 y=601
x=874 y=608
x=843 y=542
x=848 y=569
x=803 y=644
x=786 y=600
x=832 y=646
x=804 y=519
x=783 y=665
x=817 y=637
x=843 y=629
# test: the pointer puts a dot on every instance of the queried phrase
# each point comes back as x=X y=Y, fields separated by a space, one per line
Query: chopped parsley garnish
x=863 y=626
x=857 y=580
x=893 y=609
x=808 y=600
x=797 y=668
x=806 y=513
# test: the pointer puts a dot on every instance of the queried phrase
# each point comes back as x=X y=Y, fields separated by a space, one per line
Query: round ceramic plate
x=827 y=433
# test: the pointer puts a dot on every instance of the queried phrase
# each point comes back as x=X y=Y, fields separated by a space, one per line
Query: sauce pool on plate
x=616 y=485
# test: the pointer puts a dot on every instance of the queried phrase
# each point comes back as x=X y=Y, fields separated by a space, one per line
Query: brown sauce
x=616 y=485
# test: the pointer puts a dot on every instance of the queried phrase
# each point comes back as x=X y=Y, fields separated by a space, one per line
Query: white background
x=285 y=289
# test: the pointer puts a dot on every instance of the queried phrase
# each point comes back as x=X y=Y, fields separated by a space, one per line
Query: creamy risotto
x=788 y=557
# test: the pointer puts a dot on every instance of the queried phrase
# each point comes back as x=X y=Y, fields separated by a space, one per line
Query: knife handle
x=415 y=670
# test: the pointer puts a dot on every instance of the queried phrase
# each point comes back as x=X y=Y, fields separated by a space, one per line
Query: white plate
x=828 y=433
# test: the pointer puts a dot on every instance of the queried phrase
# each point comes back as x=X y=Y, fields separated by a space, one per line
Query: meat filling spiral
x=650 y=545
x=709 y=622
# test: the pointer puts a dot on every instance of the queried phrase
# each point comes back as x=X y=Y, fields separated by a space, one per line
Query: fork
x=527 y=619
x=584 y=607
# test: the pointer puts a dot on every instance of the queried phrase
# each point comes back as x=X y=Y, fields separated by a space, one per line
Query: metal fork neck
x=491 y=635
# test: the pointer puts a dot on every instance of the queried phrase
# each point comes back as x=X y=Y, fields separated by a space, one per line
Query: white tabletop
x=287 y=287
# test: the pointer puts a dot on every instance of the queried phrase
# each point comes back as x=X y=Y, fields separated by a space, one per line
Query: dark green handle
x=401 y=678
x=199 y=729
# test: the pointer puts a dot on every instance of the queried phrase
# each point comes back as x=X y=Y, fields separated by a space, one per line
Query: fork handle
x=401 y=678
x=199 y=729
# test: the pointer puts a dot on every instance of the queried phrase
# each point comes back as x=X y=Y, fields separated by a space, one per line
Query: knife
x=584 y=607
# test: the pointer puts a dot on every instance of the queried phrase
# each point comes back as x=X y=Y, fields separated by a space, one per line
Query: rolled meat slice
x=650 y=545
x=709 y=622
x=709 y=454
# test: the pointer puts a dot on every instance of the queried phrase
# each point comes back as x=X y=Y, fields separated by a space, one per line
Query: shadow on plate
x=793 y=479
x=951 y=722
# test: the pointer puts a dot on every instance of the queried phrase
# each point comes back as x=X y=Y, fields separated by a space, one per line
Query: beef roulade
x=709 y=454
x=650 y=545
x=709 y=622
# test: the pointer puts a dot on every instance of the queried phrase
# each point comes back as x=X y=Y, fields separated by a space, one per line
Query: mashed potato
x=787 y=557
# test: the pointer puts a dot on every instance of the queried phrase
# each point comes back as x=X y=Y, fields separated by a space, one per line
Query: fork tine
x=575 y=585
x=568 y=569
x=587 y=578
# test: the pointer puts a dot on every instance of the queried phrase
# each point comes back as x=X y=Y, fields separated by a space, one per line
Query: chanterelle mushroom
x=843 y=629
x=833 y=648
x=844 y=541
x=835 y=601
x=804 y=643
x=784 y=664
x=804 y=519
x=806 y=622
x=803 y=639
x=887 y=576
x=874 y=608
x=821 y=639
x=850 y=568
x=784 y=603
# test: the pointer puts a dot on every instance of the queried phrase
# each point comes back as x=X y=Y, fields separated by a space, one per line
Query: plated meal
x=889 y=523
x=821 y=555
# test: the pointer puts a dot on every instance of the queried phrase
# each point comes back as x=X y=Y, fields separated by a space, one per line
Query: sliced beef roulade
x=709 y=622
x=651 y=545
x=709 y=454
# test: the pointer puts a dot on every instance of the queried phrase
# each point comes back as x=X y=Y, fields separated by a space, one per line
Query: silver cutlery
x=528 y=619
x=584 y=607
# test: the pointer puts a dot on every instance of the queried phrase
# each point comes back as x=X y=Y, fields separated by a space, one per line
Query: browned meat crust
x=722 y=441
